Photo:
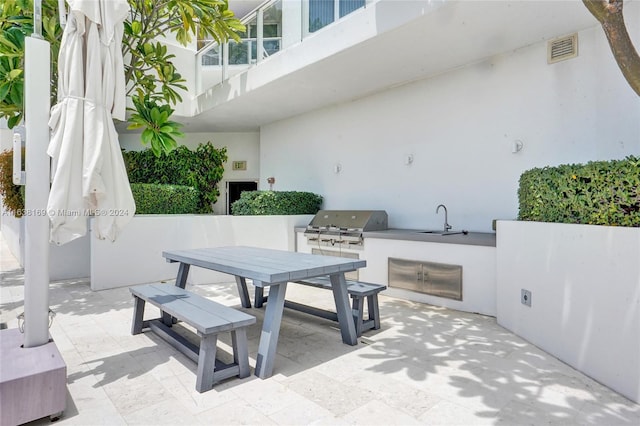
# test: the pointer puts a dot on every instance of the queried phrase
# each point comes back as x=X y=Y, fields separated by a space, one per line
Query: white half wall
x=585 y=296
x=459 y=128
x=67 y=261
x=136 y=256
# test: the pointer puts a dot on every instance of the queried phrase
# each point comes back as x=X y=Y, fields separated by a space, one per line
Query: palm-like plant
x=153 y=82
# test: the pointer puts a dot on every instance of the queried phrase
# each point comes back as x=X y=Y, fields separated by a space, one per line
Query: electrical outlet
x=525 y=297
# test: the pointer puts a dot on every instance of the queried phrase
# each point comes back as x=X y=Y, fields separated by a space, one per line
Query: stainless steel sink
x=444 y=233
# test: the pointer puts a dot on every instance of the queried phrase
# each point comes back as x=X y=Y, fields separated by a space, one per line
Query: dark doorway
x=234 y=189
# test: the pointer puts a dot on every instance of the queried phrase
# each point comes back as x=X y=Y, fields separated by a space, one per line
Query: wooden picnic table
x=274 y=269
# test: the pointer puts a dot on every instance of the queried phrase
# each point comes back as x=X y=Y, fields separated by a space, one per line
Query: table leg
x=345 y=318
x=241 y=282
x=138 y=315
x=271 y=330
x=259 y=298
x=181 y=281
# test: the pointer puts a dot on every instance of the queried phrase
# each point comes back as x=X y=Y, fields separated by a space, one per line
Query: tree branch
x=609 y=14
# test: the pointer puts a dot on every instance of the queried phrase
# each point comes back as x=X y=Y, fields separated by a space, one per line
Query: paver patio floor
x=427 y=365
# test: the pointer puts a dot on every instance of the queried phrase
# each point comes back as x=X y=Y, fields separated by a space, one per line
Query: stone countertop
x=487 y=239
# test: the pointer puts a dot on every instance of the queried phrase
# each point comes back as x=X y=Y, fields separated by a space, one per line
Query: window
x=348 y=6
x=212 y=56
x=241 y=53
x=272 y=28
x=323 y=12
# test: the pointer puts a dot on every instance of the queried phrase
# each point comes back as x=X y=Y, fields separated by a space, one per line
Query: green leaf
x=136 y=27
x=155 y=115
x=135 y=125
x=13 y=74
x=147 y=136
x=15 y=94
x=4 y=89
x=14 y=121
x=147 y=48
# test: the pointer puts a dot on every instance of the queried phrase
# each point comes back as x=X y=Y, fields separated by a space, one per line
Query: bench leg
x=358 y=315
x=206 y=362
x=241 y=351
x=138 y=312
x=244 y=293
x=374 y=310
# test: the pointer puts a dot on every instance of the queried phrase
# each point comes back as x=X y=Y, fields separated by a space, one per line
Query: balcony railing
x=270 y=28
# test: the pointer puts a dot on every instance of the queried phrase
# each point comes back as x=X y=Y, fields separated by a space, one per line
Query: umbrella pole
x=36 y=262
x=35 y=386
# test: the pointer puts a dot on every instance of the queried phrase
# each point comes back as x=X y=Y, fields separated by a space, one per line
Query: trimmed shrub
x=276 y=203
x=12 y=195
x=596 y=193
x=202 y=169
x=153 y=198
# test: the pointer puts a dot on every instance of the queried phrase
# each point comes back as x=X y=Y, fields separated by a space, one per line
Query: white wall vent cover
x=562 y=48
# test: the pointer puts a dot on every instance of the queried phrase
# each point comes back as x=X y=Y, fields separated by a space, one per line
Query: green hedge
x=12 y=195
x=276 y=203
x=153 y=198
x=201 y=168
x=597 y=193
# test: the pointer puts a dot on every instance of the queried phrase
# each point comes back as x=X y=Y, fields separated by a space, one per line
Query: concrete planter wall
x=136 y=256
x=585 y=301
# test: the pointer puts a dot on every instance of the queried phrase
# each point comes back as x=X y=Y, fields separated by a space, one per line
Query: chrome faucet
x=447 y=227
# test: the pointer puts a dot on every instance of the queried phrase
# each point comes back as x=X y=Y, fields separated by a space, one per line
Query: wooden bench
x=358 y=291
x=208 y=317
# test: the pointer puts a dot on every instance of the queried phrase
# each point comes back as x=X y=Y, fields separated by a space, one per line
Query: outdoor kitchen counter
x=487 y=239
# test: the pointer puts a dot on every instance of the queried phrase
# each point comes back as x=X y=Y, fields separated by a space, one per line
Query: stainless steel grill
x=344 y=228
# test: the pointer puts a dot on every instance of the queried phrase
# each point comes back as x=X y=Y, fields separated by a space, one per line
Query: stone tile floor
x=427 y=365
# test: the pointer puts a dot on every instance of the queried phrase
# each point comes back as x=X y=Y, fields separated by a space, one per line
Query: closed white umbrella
x=89 y=172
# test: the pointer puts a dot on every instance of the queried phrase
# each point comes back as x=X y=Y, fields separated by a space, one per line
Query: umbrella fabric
x=89 y=172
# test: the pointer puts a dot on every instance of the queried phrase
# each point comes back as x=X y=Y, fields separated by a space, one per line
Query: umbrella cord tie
x=94 y=102
x=21 y=321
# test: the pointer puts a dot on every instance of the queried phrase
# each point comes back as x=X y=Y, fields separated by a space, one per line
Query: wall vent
x=562 y=48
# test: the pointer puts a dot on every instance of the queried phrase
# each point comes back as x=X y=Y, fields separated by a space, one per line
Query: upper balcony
x=300 y=55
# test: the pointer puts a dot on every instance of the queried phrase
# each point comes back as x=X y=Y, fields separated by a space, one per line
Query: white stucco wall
x=459 y=127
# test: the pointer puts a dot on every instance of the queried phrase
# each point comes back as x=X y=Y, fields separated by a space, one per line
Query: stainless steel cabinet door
x=437 y=279
x=406 y=274
x=441 y=279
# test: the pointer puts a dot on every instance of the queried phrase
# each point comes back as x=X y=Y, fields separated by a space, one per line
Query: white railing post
x=225 y=61
x=198 y=72
x=304 y=18
x=259 y=35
